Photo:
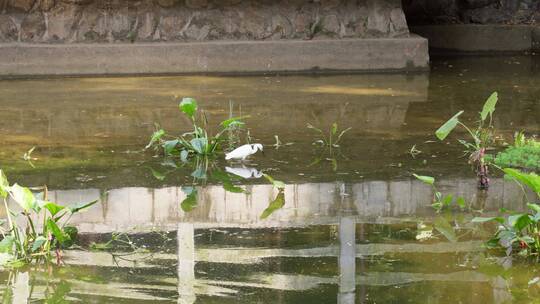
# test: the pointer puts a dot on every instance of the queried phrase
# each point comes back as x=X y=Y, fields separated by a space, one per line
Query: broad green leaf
x=6 y=245
x=184 y=156
x=190 y=202
x=444 y=227
x=531 y=180
x=56 y=231
x=425 y=179
x=4 y=185
x=489 y=106
x=24 y=197
x=274 y=205
x=519 y=221
x=448 y=126
x=169 y=146
x=156 y=136
x=188 y=106
x=199 y=145
x=534 y=207
x=488 y=219
x=81 y=206
x=52 y=207
x=460 y=202
x=38 y=242
x=448 y=200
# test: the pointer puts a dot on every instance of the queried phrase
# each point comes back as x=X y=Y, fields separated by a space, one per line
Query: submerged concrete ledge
x=380 y=54
x=480 y=38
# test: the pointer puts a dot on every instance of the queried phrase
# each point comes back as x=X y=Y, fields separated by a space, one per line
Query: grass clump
x=523 y=154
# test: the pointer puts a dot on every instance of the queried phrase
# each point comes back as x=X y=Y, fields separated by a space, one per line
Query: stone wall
x=106 y=21
x=472 y=11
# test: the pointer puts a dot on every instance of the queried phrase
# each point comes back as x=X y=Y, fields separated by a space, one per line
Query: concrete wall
x=47 y=37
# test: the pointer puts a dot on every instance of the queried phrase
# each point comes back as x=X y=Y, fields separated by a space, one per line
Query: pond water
x=351 y=226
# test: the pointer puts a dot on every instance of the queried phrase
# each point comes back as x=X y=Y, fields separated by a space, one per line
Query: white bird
x=244 y=172
x=243 y=151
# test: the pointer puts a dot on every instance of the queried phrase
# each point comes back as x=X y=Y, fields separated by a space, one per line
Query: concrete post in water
x=21 y=288
x=347 y=260
x=186 y=263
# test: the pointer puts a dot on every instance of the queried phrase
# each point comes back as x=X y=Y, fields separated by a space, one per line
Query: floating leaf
x=489 y=106
x=228 y=186
x=188 y=106
x=448 y=126
x=425 y=179
x=274 y=205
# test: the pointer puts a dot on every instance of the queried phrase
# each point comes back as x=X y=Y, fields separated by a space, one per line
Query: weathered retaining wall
x=106 y=21
x=472 y=11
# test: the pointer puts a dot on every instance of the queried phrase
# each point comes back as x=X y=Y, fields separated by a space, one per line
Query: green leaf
x=188 y=106
x=276 y=183
x=448 y=126
x=531 y=180
x=519 y=221
x=444 y=227
x=156 y=136
x=38 y=242
x=334 y=128
x=425 y=179
x=461 y=202
x=199 y=145
x=534 y=207
x=6 y=245
x=448 y=200
x=169 y=146
x=4 y=185
x=52 y=207
x=228 y=186
x=184 y=156
x=56 y=231
x=233 y=121
x=489 y=106
x=199 y=173
x=157 y=175
x=81 y=206
x=488 y=219
x=274 y=205
x=190 y=202
x=24 y=197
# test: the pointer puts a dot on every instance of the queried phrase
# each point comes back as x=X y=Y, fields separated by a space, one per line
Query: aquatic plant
x=523 y=154
x=519 y=231
x=439 y=202
x=198 y=141
x=482 y=138
x=330 y=139
x=279 y=201
x=27 y=242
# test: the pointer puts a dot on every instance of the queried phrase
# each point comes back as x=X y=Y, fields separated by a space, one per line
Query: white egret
x=243 y=151
x=244 y=172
